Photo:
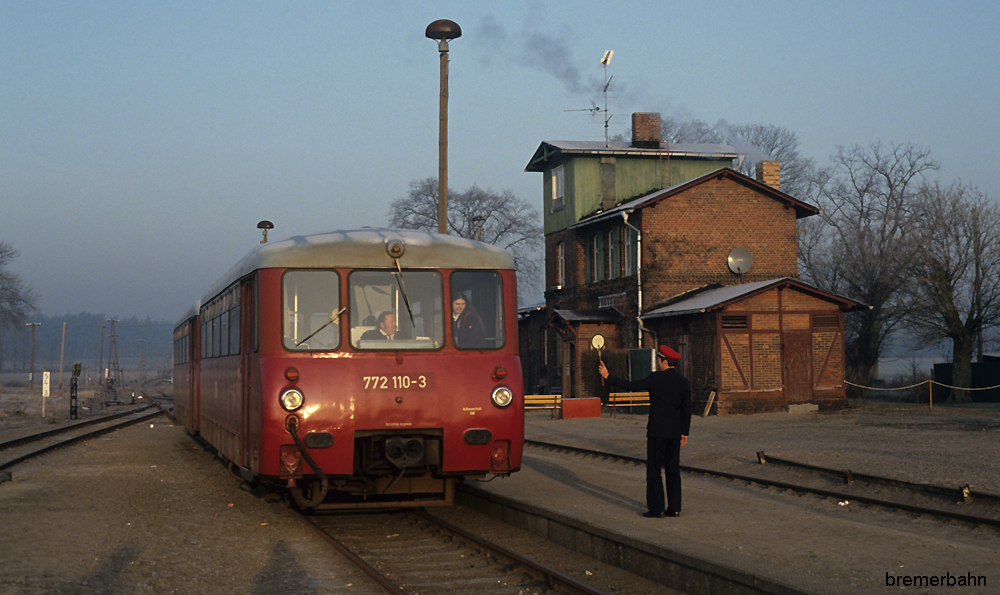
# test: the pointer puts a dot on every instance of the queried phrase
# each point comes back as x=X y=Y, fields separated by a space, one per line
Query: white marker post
x=46 y=378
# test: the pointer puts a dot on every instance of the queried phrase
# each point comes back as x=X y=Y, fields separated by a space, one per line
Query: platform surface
x=807 y=543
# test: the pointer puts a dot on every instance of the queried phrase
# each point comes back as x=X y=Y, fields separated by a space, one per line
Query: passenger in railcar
x=386 y=328
x=666 y=431
x=469 y=329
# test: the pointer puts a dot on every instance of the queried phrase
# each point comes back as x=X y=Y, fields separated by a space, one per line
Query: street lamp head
x=443 y=29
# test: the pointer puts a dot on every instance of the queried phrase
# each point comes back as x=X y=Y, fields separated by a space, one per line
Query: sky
x=142 y=141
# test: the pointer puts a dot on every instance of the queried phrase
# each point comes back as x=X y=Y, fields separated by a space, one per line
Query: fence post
x=931 y=394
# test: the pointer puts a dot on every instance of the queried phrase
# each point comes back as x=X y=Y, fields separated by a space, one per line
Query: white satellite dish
x=740 y=260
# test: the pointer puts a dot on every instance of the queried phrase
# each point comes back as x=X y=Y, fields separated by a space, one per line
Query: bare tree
x=508 y=222
x=755 y=143
x=689 y=131
x=867 y=205
x=17 y=300
x=954 y=267
x=779 y=144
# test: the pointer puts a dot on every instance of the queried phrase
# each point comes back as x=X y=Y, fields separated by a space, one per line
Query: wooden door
x=797 y=356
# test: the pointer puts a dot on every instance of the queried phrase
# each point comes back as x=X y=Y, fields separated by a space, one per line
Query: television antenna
x=594 y=109
x=607 y=82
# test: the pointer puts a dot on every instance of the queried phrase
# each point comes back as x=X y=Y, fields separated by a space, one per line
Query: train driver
x=386 y=328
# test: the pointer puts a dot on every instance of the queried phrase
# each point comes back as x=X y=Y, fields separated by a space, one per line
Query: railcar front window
x=395 y=313
x=311 y=310
x=477 y=310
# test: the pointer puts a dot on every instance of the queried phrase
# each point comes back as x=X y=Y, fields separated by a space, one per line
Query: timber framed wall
x=777 y=348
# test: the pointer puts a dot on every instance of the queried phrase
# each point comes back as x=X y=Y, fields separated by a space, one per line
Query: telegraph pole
x=140 y=341
x=31 y=373
x=62 y=354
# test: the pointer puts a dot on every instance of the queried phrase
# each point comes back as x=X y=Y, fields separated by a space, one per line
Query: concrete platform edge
x=661 y=565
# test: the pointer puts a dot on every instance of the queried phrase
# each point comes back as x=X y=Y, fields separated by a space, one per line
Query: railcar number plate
x=398 y=382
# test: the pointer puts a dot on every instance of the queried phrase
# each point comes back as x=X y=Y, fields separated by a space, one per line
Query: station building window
x=558 y=189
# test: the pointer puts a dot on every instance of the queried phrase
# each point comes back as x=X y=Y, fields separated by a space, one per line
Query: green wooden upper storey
x=596 y=176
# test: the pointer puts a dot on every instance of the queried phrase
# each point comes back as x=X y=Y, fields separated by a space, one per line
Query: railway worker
x=386 y=328
x=666 y=431
x=468 y=326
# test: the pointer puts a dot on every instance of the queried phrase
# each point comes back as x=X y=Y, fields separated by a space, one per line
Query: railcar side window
x=311 y=310
x=182 y=342
x=219 y=337
x=477 y=310
x=389 y=311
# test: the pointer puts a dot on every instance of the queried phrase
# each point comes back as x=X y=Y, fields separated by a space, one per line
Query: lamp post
x=478 y=221
x=442 y=30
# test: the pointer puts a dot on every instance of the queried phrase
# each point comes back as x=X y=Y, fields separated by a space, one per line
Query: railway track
x=856 y=488
x=26 y=447
x=414 y=552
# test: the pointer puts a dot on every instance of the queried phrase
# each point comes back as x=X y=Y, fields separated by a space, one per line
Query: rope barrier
x=920 y=383
x=930 y=388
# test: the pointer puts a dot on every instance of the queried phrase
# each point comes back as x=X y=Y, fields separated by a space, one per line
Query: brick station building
x=649 y=243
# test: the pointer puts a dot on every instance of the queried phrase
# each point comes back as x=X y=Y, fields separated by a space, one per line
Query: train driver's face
x=389 y=326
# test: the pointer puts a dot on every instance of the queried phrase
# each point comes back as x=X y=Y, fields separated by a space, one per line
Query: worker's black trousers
x=663 y=453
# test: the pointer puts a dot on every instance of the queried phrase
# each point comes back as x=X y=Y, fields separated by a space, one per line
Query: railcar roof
x=366 y=248
x=188 y=314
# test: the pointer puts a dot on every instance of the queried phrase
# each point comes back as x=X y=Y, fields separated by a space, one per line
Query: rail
x=58 y=439
x=443 y=562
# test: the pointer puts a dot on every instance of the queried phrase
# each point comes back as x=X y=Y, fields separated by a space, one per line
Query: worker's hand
x=684 y=440
x=602 y=369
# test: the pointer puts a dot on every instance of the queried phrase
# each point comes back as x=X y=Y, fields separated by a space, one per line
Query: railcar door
x=195 y=367
x=245 y=326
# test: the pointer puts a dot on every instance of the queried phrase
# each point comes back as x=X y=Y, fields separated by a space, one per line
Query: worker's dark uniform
x=669 y=419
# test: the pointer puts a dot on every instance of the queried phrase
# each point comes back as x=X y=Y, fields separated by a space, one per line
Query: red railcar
x=333 y=365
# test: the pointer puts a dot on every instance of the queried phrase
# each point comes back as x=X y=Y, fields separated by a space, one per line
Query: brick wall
x=575 y=259
x=687 y=239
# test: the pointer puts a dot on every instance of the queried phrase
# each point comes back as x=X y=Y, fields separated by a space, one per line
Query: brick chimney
x=646 y=130
x=769 y=172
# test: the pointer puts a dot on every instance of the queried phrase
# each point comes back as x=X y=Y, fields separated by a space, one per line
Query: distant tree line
x=87 y=342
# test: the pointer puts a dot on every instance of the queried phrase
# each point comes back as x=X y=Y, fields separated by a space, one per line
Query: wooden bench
x=627 y=400
x=639 y=399
x=553 y=402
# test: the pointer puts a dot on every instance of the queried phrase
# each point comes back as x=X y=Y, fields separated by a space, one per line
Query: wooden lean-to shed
x=762 y=346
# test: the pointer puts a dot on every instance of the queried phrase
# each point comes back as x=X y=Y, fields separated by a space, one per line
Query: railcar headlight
x=502 y=396
x=291 y=399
